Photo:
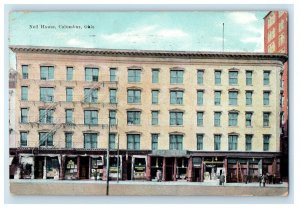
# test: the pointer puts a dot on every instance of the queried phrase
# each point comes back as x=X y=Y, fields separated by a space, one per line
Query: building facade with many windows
x=191 y=115
x=276 y=41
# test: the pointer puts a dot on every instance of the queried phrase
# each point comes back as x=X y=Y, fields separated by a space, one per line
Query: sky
x=191 y=31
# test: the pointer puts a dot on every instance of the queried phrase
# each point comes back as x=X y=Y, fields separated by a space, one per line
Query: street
x=143 y=188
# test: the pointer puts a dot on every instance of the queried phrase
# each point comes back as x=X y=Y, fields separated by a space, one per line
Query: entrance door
x=84 y=168
x=39 y=167
x=169 y=169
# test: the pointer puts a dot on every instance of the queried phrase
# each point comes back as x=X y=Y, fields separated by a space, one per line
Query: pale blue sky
x=142 y=30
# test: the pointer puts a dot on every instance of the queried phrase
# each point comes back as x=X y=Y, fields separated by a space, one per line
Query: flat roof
x=148 y=53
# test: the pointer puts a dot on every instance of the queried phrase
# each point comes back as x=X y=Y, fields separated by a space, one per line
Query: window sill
x=134 y=125
x=176 y=125
x=134 y=103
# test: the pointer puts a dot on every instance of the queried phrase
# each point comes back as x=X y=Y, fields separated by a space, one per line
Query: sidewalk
x=150 y=183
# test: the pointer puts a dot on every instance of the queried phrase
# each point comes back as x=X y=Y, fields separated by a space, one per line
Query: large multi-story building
x=189 y=115
x=276 y=41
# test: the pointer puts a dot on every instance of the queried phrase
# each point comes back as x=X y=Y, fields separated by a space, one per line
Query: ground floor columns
x=190 y=169
x=62 y=167
x=148 y=168
x=164 y=170
x=45 y=168
x=78 y=167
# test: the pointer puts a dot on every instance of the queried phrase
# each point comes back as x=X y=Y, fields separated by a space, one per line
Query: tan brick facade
x=164 y=62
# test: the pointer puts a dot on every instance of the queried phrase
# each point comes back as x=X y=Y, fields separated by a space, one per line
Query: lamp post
x=107 y=159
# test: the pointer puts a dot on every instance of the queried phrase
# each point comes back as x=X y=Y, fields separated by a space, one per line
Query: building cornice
x=147 y=53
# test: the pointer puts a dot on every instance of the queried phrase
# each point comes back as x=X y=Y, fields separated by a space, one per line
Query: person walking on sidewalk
x=263 y=180
x=259 y=180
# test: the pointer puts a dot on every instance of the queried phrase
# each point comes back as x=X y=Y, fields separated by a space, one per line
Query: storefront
x=212 y=169
x=114 y=173
x=96 y=167
x=139 y=167
x=47 y=167
x=71 y=168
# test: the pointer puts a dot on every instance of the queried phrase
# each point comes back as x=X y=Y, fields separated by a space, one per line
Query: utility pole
x=107 y=159
x=223 y=37
x=118 y=161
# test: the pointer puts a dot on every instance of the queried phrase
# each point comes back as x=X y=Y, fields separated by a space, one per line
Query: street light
x=107 y=159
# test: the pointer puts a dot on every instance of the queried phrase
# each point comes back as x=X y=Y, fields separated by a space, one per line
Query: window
x=46 y=116
x=281 y=25
x=266 y=77
x=24 y=93
x=266 y=97
x=47 y=94
x=217 y=97
x=233 y=78
x=24 y=115
x=154 y=115
x=155 y=96
x=281 y=99
x=133 y=117
x=69 y=116
x=233 y=119
x=90 y=117
x=68 y=140
x=134 y=96
x=69 y=94
x=46 y=139
x=176 y=76
x=217 y=119
x=199 y=141
x=271 y=47
x=23 y=139
x=200 y=76
x=25 y=71
x=154 y=145
x=134 y=75
x=112 y=74
x=112 y=141
x=47 y=72
x=232 y=142
x=112 y=96
x=176 y=97
x=248 y=117
x=90 y=140
x=281 y=40
x=69 y=73
x=266 y=118
x=233 y=98
x=155 y=75
x=217 y=142
x=200 y=97
x=266 y=142
x=248 y=97
x=133 y=141
x=271 y=34
x=90 y=95
x=271 y=19
x=176 y=142
x=176 y=118
x=112 y=116
x=249 y=142
x=199 y=118
x=91 y=74
x=217 y=77
x=248 y=77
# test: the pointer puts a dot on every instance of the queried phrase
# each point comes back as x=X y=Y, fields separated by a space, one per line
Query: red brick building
x=276 y=41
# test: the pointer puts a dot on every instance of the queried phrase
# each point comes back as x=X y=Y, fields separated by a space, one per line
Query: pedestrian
x=263 y=180
x=222 y=179
x=259 y=180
